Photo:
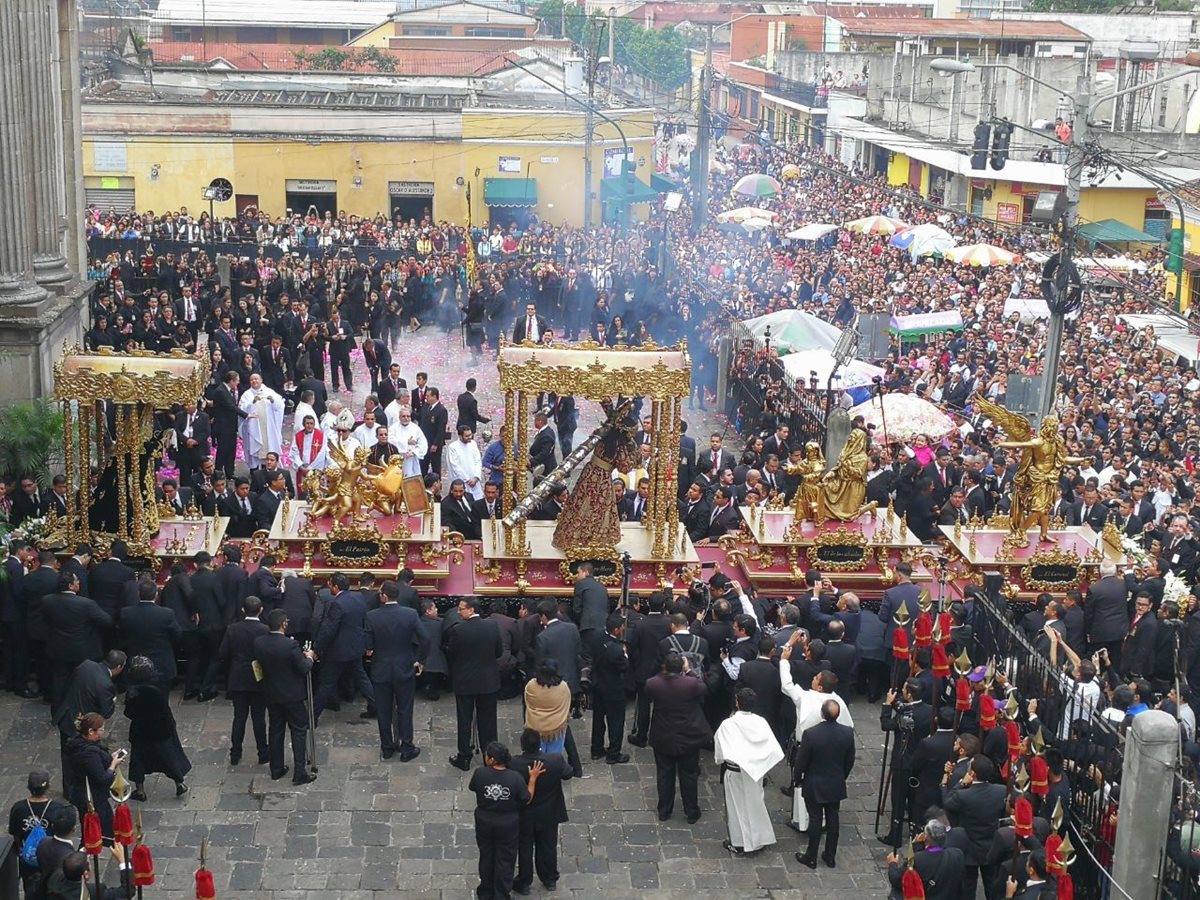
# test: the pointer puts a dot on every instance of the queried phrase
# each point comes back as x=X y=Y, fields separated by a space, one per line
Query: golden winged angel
x=1042 y=458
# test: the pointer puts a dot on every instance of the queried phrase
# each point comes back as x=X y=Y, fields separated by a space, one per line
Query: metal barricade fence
x=1092 y=752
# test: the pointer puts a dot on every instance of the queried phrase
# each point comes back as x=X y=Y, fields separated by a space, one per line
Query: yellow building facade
x=162 y=163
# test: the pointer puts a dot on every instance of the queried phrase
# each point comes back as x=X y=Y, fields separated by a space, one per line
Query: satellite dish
x=222 y=189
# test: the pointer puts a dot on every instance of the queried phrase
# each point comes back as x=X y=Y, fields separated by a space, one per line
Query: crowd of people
x=757 y=680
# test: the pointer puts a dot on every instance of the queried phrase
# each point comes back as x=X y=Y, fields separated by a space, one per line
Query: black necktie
x=245 y=506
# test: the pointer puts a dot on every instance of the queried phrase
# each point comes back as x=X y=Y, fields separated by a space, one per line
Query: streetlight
x=1076 y=157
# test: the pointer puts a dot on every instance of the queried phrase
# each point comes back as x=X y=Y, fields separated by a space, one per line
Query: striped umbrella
x=981 y=255
x=757 y=185
x=876 y=225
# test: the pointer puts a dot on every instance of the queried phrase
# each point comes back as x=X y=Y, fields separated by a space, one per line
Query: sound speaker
x=874 y=339
x=1023 y=394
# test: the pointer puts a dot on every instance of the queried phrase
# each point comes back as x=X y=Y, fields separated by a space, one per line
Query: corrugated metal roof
x=282 y=57
x=964 y=29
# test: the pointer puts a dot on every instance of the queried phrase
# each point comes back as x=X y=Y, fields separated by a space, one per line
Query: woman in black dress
x=153 y=738
x=93 y=766
x=500 y=794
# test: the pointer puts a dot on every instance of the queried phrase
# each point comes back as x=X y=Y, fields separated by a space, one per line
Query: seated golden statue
x=809 y=500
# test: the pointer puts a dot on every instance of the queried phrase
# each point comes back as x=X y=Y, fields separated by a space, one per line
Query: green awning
x=613 y=190
x=1113 y=231
x=663 y=184
x=510 y=191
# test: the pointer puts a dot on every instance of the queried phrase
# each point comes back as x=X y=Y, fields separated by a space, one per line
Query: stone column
x=43 y=105
x=1147 y=786
x=69 y=80
x=17 y=285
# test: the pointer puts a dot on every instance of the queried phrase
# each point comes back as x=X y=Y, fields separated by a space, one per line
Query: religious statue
x=1035 y=484
x=383 y=485
x=844 y=487
x=335 y=492
x=809 y=499
x=589 y=517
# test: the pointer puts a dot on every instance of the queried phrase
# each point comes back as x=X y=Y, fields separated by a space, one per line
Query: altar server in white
x=463 y=460
x=746 y=750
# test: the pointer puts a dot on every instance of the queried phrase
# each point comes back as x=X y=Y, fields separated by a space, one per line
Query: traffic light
x=1000 y=138
x=979 y=150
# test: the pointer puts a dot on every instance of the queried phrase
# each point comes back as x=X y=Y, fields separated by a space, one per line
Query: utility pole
x=612 y=59
x=589 y=62
x=700 y=176
x=1076 y=155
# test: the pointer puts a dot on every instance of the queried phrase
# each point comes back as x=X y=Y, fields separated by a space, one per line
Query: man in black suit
x=955 y=509
x=149 y=630
x=644 y=639
x=538 y=845
x=694 y=513
x=299 y=600
x=233 y=578
x=90 y=690
x=842 y=656
x=590 y=607
x=678 y=730
x=929 y=760
x=1127 y=521
x=267 y=504
x=722 y=519
x=529 y=327
x=777 y=444
x=687 y=459
x=236 y=658
x=456 y=512
x=239 y=509
x=393 y=636
x=473 y=648
x=635 y=504
x=260 y=478
x=391 y=386
x=55 y=499
x=823 y=763
x=1106 y=612
x=211 y=613
x=609 y=666
x=468 y=408
x=541 y=450
x=79 y=565
x=109 y=581
x=940 y=867
x=341 y=342
x=942 y=474
x=192 y=433
x=276 y=364
x=224 y=424
x=435 y=425
x=284 y=669
x=1089 y=511
x=975 y=805
x=1178 y=549
x=340 y=645
x=715 y=460
x=27 y=503
x=1137 y=652
x=74 y=626
x=911 y=720
x=41 y=582
x=761 y=675
x=551 y=508
x=378 y=358
x=61 y=839
x=417 y=396
x=263 y=583
x=488 y=506
x=172 y=496
x=565 y=418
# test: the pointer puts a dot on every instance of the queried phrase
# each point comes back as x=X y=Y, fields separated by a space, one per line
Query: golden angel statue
x=809 y=499
x=1035 y=483
x=341 y=495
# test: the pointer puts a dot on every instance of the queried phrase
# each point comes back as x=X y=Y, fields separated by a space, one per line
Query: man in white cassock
x=463 y=460
x=746 y=750
x=262 y=428
x=808 y=713
x=341 y=436
x=408 y=438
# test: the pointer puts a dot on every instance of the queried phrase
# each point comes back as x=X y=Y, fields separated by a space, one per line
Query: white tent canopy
x=1170 y=333
x=854 y=373
x=814 y=231
x=793 y=329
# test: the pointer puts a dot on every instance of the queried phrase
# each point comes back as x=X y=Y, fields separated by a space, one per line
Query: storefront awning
x=1114 y=231
x=510 y=191
x=613 y=189
x=663 y=184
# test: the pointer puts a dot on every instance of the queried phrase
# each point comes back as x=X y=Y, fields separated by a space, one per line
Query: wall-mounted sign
x=110 y=156
x=311 y=185
x=1006 y=212
x=410 y=188
x=549 y=160
x=510 y=165
x=612 y=160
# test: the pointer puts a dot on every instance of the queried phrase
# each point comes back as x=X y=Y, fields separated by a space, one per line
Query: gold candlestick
x=762 y=526
x=958 y=528
x=891 y=511
x=971 y=549
x=904 y=525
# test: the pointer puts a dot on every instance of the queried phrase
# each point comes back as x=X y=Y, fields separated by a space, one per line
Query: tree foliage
x=659 y=55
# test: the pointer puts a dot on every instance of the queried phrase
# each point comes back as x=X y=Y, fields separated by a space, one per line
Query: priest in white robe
x=262 y=428
x=408 y=438
x=463 y=460
x=808 y=712
x=746 y=750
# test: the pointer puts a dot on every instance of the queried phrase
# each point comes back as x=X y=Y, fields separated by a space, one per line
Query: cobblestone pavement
x=373 y=829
